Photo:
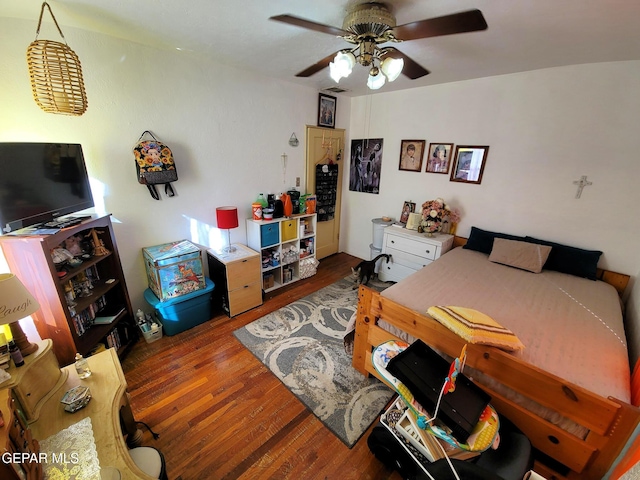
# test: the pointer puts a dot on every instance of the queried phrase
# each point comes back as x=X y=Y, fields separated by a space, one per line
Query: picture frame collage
x=465 y=165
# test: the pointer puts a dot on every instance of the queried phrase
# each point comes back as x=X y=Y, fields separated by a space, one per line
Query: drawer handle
x=244 y=261
x=393 y=241
x=428 y=251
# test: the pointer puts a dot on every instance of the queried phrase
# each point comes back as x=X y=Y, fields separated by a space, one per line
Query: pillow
x=476 y=327
x=524 y=255
x=571 y=260
x=482 y=240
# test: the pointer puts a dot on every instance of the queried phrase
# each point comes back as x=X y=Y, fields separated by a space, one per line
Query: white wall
x=227 y=129
x=545 y=130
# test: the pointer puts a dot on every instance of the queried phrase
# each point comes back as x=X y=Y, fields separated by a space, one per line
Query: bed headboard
x=619 y=281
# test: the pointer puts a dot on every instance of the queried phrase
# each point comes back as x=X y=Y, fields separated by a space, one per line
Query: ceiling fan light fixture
x=392 y=67
x=342 y=65
x=376 y=79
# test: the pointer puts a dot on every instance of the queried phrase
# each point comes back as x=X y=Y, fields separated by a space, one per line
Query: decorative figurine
x=98 y=245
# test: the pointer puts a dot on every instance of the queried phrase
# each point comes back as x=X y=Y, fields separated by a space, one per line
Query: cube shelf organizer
x=287 y=248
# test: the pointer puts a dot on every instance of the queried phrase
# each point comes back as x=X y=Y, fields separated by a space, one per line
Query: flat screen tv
x=40 y=182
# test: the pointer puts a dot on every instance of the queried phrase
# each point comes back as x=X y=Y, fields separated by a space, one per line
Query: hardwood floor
x=221 y=414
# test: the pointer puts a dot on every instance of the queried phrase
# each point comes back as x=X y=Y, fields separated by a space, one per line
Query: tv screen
x=40 y=182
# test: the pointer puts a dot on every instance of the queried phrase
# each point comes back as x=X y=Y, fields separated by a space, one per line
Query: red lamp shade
x=227 y=217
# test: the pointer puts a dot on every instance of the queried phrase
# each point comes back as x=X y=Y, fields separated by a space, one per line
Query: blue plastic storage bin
x=184 y=312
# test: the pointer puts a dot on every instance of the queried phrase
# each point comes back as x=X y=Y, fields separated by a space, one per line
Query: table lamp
x=16 y=303
x=227 y=218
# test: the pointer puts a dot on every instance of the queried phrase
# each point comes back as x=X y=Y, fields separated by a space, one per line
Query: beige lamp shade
x=16 y=303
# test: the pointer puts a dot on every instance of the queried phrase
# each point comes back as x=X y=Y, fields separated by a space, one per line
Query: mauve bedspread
x=570 y=326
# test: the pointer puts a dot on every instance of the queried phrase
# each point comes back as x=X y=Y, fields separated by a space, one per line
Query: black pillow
x=571 y=260
x=482 y=240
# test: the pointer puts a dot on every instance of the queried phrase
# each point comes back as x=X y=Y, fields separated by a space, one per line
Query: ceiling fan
x=368 y=25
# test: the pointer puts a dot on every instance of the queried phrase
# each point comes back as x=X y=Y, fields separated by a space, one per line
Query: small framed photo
x=468 y=164
x=407 y=208
x=411 y=154
x=327 y=111
x=439 y=158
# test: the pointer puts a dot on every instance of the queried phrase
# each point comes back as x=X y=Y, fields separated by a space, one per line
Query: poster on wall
x=366 y=164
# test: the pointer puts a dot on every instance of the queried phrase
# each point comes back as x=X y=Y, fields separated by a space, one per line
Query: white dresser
x=410 y=252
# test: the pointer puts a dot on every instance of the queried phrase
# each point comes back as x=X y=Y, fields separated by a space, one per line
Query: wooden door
x=325 y=147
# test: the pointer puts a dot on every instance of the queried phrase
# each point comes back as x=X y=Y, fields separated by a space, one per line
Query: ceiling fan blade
x=315 y=68
x=469 y=21
x=301 y=22
x=411 y=68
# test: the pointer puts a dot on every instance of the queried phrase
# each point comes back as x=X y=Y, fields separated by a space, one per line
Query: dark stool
x=510 y=461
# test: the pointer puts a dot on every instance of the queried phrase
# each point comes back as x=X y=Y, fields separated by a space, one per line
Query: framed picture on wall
x=327 y=111
x=439 y=159
x=411 y=154
x=468 y=163
x=407 y=208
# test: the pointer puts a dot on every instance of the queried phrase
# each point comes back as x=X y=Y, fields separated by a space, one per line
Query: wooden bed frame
x=610 y=422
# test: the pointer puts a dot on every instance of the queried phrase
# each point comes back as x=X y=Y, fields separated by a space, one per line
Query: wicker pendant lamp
x=56 y=74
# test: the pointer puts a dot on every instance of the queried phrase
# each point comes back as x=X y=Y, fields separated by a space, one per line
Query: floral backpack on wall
x=154 y=164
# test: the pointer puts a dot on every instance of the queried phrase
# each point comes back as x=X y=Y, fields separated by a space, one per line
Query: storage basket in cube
x=174 y=269
x=289 y=230
x=269 y=234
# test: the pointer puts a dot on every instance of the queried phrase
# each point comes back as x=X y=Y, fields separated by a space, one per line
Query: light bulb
x=392 y=67
x=342 y=65
x=376 y=79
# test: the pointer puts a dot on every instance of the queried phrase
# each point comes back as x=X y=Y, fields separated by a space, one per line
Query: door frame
x=310 y=164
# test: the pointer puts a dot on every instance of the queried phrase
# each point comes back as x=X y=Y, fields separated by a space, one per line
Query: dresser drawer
x=245 y=298
x=407 y=259
x=414 y=247
x=394 y=272
x=243 y=272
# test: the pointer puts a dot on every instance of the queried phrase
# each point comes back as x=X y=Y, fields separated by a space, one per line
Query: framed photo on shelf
x=411 y=155
x=439 y=159
x=327 y=111
x=407 y=208
x=468 y=164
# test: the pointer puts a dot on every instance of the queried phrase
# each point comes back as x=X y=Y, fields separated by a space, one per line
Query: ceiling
x=522 y=35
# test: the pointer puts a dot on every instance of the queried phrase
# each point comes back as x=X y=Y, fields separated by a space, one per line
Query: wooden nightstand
x=410 y=251
x=237 y=279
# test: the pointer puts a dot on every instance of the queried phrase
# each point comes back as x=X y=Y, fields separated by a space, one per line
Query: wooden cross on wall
x=581 y=184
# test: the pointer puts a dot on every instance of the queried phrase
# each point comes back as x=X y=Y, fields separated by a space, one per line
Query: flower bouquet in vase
x=436 y=215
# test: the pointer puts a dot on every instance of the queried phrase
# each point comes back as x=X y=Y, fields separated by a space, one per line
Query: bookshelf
x=71 y=298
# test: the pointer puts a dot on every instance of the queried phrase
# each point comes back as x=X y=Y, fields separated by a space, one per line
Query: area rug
x=302 y=345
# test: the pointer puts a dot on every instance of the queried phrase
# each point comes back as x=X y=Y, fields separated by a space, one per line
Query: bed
x=568 y=389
